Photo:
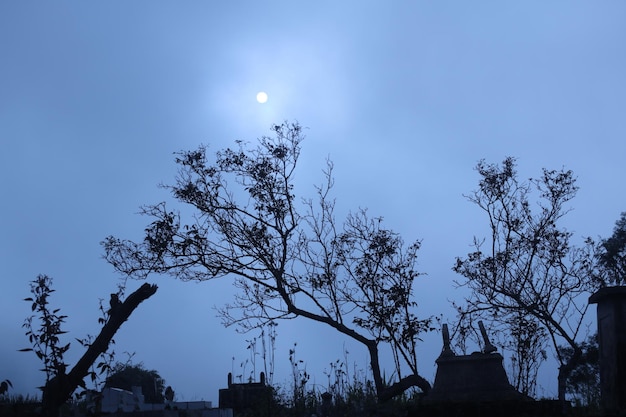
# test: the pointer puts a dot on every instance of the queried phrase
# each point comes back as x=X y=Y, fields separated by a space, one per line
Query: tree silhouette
x=612 y=255
x=126 y=376
x=289 y=257
x=60 y=385
x=528 y=264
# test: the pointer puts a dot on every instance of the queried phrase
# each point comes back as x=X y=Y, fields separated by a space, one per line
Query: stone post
x=611 y=303
x=489 y=348
x=447 y=350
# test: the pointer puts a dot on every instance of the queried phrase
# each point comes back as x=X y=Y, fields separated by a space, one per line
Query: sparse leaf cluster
x=45 y=339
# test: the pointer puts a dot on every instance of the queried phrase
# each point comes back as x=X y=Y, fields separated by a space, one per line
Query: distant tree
x=169 y=394
x=46 y=342
x=290 y=258
x=583 y=384
x=126 y=376
x=612 y=255
x=4 y=387
x=528 y=265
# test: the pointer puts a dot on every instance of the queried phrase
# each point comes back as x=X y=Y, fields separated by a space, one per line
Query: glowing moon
x=261 y=97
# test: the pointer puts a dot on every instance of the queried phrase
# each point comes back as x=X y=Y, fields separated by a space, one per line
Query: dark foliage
x=46 y=338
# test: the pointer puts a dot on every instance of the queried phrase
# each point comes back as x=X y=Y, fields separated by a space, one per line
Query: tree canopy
x=289 y=256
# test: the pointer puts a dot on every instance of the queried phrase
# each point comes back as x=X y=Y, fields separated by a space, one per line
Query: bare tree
x=289 y=257
x=528 y=266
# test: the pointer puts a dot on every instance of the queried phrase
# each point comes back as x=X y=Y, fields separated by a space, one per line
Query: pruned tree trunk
x=60 y=388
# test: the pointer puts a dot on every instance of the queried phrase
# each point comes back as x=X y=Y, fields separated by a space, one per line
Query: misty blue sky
x=405 y=98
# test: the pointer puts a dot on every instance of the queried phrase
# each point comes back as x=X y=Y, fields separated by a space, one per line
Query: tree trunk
x=565 y=371
x=372 y=347
x=405 y=383
x=60 y=388
x=387 y=393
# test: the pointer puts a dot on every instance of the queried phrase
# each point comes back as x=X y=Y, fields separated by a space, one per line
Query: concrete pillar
x=611 y=303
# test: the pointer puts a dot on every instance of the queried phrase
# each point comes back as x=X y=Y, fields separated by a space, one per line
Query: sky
x=405 y=97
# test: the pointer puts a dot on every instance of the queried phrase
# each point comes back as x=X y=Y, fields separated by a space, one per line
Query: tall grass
x=348 y=390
